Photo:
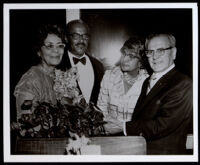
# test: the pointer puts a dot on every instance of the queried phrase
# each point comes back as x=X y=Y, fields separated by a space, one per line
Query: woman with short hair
x=121 y=86
x=37 y=83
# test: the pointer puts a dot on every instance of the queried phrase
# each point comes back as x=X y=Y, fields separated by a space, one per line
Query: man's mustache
x=80 y=44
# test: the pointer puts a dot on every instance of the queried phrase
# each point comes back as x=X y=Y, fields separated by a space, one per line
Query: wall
x=23 y=25
x=111 y=27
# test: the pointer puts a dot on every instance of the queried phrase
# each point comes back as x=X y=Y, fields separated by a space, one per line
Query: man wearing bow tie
x=165 y=107
x=90 y=69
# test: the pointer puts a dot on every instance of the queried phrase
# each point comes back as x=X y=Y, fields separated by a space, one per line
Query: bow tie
x=82 y=60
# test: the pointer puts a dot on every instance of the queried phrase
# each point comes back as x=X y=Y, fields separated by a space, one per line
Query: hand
x=112 y=129
x=67 y=100
x=113 y=126
x=15 y=126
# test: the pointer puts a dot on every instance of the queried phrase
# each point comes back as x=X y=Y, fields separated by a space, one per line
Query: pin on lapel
x=158 y=102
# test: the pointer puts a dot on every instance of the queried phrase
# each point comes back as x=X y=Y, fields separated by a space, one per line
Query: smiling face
x=78 y=39
x=52 y=51
x=130 y=60
x=158 y=62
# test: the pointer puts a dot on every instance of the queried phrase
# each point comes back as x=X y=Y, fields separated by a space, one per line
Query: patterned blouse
x=113 y=100
x=35 y=85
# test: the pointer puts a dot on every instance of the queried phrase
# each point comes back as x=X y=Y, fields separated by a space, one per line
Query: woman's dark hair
x=43 y=32
x=136 y=43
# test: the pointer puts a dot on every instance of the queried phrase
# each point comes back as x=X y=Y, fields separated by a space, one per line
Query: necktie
x=82 y=60
x=152 y=82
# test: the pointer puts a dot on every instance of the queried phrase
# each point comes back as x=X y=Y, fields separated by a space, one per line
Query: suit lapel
x=68 y=63
x=95 y=77
x=98 y=74
x=158 y=87
x=141 y=97
x=94 y=68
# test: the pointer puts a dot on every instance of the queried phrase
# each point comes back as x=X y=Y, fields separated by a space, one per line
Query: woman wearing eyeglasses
x=37 y=83
x=121 y=86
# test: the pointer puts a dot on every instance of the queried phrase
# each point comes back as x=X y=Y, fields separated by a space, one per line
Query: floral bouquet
x=50 y=121
x=66 y=87
x=72 y=117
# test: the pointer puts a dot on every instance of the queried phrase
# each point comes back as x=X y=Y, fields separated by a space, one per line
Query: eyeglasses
x=51 y=46
x=131 y=56
x=160 y=52
x=77 y=36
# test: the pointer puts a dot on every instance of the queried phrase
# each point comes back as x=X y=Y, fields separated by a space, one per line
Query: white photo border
x=102 y=158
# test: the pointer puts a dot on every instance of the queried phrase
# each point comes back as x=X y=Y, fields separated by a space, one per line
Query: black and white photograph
x=107 y=82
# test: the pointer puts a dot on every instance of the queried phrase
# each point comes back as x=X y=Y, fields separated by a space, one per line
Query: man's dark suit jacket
x=163 y=116
x=98 y=74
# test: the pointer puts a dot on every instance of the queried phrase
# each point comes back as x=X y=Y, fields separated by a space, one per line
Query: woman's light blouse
x=113 y=100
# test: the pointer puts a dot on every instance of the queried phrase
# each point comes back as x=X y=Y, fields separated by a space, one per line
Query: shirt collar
x=160 y=74
x=72 y=55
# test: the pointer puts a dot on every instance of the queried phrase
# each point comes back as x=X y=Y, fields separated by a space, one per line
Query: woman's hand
x=113 y=126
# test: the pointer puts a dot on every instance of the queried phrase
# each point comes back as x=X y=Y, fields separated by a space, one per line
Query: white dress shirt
x=156 y=76
x=86 y=75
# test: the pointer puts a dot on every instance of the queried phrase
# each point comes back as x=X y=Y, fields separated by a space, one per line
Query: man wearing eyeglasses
x=164 y=109
x=90 y=69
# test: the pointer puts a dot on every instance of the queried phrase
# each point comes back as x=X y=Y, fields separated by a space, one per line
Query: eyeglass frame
x=48 y=46
x=131 y=56
x=80 y=36
x=160 y=51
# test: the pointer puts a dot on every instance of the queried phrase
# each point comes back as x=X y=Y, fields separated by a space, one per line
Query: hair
x=134 y=42
x=137 y=43
x=171 y=38
x=46 y=29
x=74 y=22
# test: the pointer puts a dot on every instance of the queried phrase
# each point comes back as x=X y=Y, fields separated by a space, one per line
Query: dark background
x=142 y=22
x=105 y=26
x=23 y=26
